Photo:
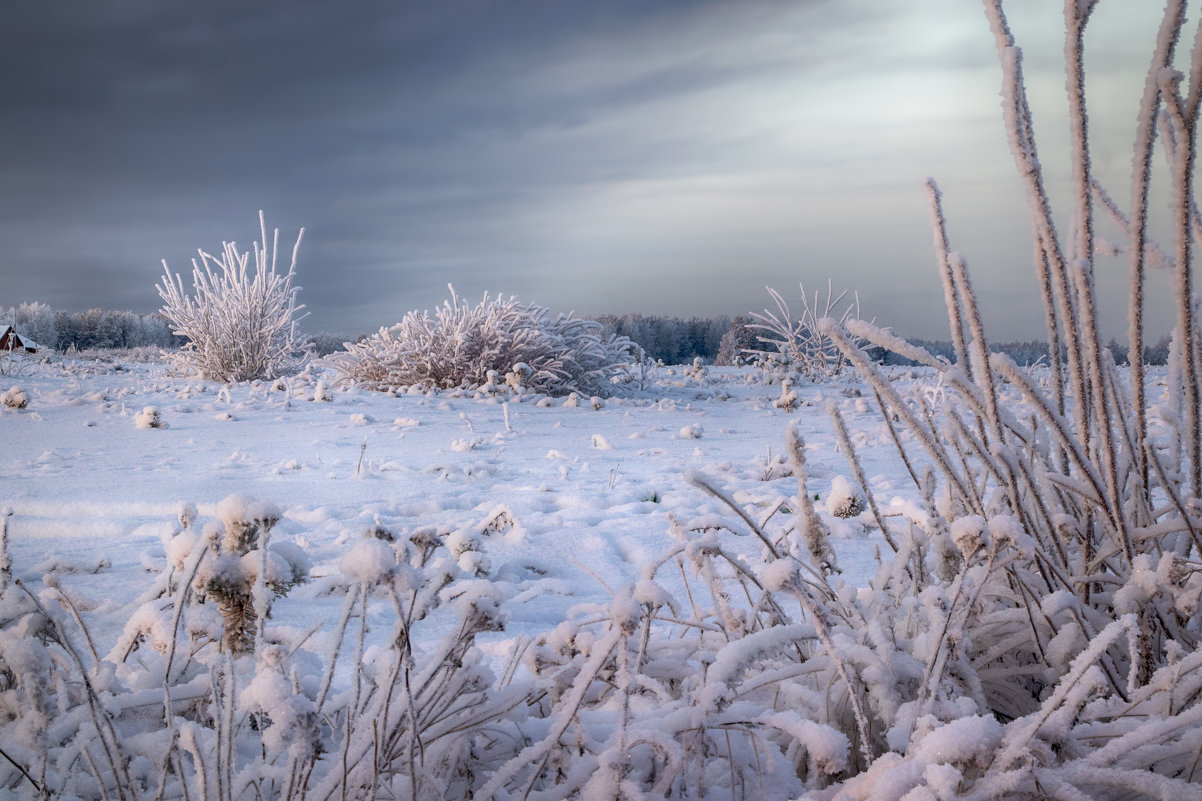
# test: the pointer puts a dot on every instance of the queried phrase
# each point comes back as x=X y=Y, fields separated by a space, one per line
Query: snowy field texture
x=517 y=596
x=586 y=494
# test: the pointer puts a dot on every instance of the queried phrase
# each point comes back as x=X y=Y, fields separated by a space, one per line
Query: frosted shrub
x=240 y=326
x=149 y=417
x=786 y=345
x=458 y=344
x=787 y=402
x=14 y=398
x=844 y=499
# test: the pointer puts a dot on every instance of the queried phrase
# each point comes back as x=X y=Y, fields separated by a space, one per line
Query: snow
x=591 y=491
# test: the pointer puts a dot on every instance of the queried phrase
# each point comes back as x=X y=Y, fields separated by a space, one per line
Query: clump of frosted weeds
x=843 y=500
x=150 y=417
x=799 y=347
x=518 y=377
x=1056 y=620
x=787 y=402
x=14 y=398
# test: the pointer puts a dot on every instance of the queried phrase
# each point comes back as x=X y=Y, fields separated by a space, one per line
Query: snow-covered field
x=587 y=494
x=589 y=597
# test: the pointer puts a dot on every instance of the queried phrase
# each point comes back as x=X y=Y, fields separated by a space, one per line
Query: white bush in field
x=240 y=325
x=459 y=345
x=799 y=345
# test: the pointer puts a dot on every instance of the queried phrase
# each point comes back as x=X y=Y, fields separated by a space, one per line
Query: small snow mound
x=180 y=548
x=601 y=443
x=777 y=575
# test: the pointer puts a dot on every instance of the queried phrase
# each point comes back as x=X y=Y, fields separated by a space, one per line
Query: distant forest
x=672 y=340
x=718 y=340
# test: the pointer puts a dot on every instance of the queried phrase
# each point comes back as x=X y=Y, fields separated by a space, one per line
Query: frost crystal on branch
x=240 y=326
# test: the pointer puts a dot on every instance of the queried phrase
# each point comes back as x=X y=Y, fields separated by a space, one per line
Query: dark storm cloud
x=597 y=155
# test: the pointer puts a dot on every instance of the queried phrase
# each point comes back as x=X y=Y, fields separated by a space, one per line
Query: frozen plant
x=787 y=402
x=236 y=568
x=843 y=500
x=240 y=326
x=5 y=560
x=149 y=417
x=14 y=398
x=799 y=345
x=458 y=344
x=1057 y=565
x=518 y=377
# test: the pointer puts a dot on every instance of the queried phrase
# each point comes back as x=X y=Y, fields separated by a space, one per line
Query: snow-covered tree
x=36 y=321
x=239 y=325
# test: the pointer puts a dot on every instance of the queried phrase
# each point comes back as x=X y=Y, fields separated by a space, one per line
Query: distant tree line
x=723 y=339
x=671 y=339
x=674 y=340
x=1028 y=353
x=94 y=328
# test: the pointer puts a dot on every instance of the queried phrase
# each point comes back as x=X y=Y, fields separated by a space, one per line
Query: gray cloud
x=668 y=157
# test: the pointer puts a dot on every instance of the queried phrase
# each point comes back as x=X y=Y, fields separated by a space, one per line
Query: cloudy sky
x=655 y=156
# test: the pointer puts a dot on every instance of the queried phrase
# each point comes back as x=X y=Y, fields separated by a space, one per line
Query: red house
x=10 y=340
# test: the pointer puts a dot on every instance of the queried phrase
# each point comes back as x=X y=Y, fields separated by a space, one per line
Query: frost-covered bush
x=458 y=344
x=150 y=417
x=240 y=326
x=787 y=346
x=14 y=398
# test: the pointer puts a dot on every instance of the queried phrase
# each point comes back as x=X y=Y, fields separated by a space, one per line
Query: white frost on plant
x=844 y=499
x=827 y=746
x=239 y=325
x=968 y=533
x=369 y=561
x=964 y=741
x=14 y=398
x=149 y=417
